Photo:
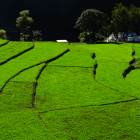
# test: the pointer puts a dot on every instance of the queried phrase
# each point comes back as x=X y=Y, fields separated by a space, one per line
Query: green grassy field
x=13 y=48
x=70 y=104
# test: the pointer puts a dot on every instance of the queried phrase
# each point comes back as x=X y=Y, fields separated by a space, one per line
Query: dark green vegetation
x=96 y=26
x=73 y=97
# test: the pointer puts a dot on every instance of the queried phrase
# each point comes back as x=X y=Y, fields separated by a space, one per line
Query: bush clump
x=37 y=35
x=84 y=37
x=3 y=34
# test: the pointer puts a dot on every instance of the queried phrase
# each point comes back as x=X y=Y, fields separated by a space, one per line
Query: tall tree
x=125 y=19
x=134 y=19
x=23 y=22
x=120 y=17
x=94 y=22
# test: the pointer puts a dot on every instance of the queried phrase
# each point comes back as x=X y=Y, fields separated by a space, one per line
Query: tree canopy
x=134 y=19
x=98 y=24
x=23 y=22
x=37 y=34
x=125 y=19
x=95 y=22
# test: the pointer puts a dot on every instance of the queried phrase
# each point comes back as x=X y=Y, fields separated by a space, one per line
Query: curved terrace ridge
x=36 y=83
x=14 y=56
x=47 y=61
x=94 y=73
x=4 y=43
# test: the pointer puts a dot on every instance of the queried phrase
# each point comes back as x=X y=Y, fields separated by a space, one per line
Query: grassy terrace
x=39 y=54
x=13 y=48
x=3 y=41
x=71 y=102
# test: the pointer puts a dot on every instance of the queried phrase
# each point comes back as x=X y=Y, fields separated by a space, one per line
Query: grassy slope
x=17 y=94
x=28 y=75
x=2 y=41
x=23 y=125
x=132 y=77
x=60 y=87
x=117 y=121
x=108 y=122
x=80 y=89
x=12 y=49
x=110 y=74
x=137 y=51
x=39 y=54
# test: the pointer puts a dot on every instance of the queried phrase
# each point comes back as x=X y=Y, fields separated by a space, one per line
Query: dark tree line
x=95 y=25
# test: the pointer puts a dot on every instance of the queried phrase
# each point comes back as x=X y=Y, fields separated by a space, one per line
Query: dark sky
x=52 y=16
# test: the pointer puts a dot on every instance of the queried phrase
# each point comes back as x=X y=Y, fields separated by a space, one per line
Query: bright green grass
x=16 y=96
x=108 y=122
x=105 y=51
x=111 y=52
x=28 y=75
x=133 y=78
x=2 y=41
x=12 y=49
x=137 y=51
x=23 y=124
x=42 y=52
x=60 y=87
x=110 y=74
x=75 y=59
x=39 y=54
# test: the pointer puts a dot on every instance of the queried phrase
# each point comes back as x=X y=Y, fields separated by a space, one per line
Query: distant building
x=129 y=37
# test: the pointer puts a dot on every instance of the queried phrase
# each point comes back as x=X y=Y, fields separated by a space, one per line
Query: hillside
x=59 y=91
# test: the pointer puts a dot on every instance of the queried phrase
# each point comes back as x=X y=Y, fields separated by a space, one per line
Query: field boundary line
x=45 y=124
x=14 y=56
x=19 y=73
x=33 y=66
x=94 y=73
x=4 y=43
x=90 y=105
x=36 y=83
x=131 y=84
x=40 y=71
x=115 y=89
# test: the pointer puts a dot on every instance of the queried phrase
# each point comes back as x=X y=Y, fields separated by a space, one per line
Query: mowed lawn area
x=71 y=102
